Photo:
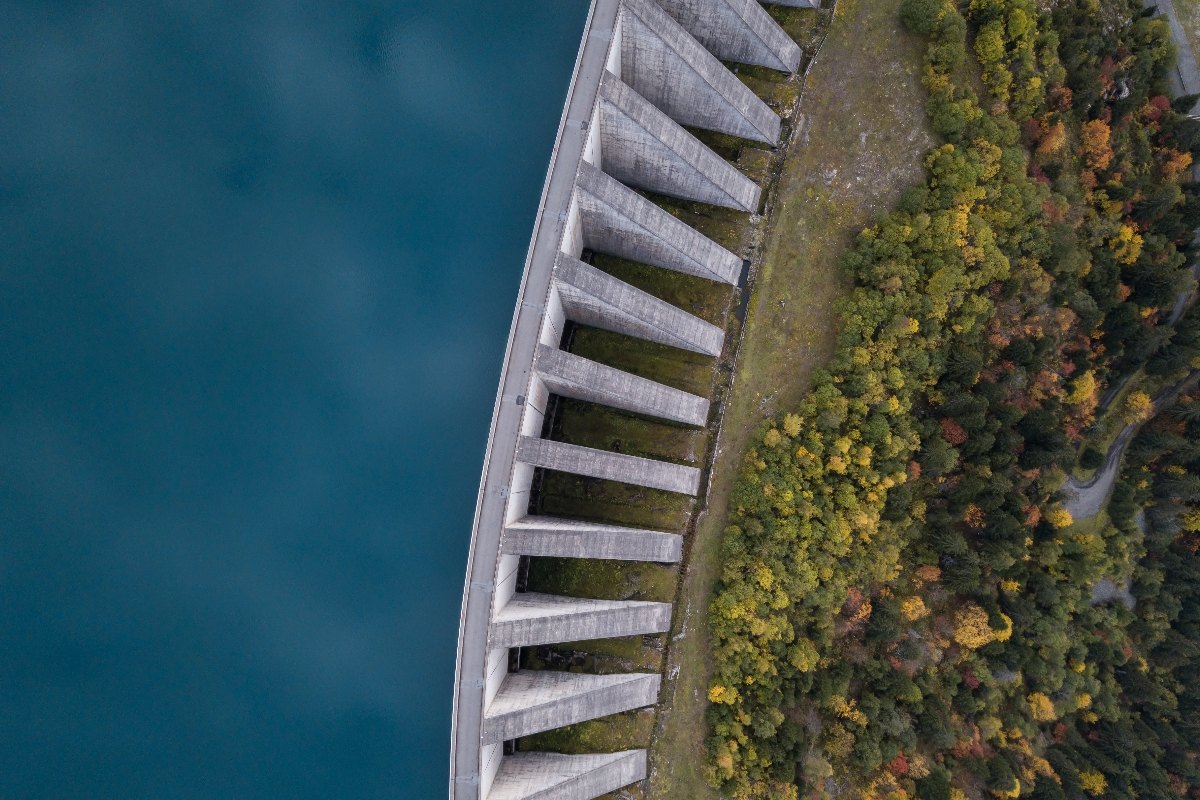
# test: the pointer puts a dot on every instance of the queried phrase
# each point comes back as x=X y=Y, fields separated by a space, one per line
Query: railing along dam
x=646 y=68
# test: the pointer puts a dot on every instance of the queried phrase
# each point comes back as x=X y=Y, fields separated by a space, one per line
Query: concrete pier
x=552 y=776
x=646 y=69
x=576 y=460
x=644 y=148
x=736 y=30
x=532 y=701
x=532 y=618
x=619 y=221
x=568 y=375
x=700 y=92
x=571 y=538
x=592 y=297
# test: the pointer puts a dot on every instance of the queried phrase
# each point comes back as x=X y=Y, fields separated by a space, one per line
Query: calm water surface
x=257 y=267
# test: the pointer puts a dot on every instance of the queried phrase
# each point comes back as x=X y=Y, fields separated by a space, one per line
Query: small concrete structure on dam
x=646 y=69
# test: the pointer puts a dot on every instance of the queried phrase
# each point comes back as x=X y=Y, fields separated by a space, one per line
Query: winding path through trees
x=1085 y=499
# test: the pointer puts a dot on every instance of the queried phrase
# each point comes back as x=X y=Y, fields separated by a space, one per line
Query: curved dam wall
x=646 y=69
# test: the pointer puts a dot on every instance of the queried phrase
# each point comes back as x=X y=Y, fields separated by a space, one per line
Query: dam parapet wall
x=647 y=71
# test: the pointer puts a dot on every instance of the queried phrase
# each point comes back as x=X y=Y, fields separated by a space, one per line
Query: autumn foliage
x=905 y=608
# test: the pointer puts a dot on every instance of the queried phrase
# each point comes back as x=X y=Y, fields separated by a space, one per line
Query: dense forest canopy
x=908 y=608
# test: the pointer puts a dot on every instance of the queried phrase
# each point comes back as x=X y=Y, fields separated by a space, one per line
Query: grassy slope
x=1189 y=14
x=858 y=144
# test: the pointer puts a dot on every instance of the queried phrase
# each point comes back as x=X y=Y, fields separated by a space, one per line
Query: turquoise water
x=257 y=267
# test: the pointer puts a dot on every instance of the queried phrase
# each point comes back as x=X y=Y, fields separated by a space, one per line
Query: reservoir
x=257 y=269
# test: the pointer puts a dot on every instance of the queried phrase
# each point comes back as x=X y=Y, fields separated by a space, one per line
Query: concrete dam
x=647 y=70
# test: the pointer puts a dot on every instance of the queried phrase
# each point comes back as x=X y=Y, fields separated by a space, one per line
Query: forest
x=908 y=607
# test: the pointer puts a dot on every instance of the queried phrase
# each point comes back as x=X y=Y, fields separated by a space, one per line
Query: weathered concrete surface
x=467 y=775
x=568 y=375
x=592 y=297
x=644 y=148
x=533 y=618
x=572 y=538
x=576 y=460
x=794 y=3
x=553 y=776
x=736 y=30
x=581 y=208
x=620 y=222
x=699 y=90
x=532 y=701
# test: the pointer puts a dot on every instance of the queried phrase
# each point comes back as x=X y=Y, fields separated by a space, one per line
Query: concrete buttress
x=573 y=538
x=606 y=465
x=619 y=221
x=554 y=776
x=532 y=618
x=700 y=92
x=736 y=30
x=532 y=701
x=592 y=297
x=643 y=147
x=568 y=375
x=648 y=73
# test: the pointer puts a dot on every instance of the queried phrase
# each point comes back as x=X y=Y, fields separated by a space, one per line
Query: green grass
x=605 y=580
x=691 y=372
x=618 y=732
x=1093 y=525
x=859 y=139
x=706 y=299
x=577 y=497
x=599 y=656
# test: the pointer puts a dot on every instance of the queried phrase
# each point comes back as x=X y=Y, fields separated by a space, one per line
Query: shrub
x=919 y=16
x=1091 y=458
x=935 y=785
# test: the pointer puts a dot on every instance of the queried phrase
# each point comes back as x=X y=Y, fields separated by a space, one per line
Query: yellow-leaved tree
x=971 y=628
x=1094 y=783
x=1138 y=407
x=1042 y=707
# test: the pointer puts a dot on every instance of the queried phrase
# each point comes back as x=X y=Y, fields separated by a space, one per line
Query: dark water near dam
x=257 y=267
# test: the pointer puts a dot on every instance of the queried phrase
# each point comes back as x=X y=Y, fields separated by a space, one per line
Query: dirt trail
x=1085 y=499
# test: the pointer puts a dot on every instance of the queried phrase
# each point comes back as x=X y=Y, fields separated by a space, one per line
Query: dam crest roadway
x=645 y=70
